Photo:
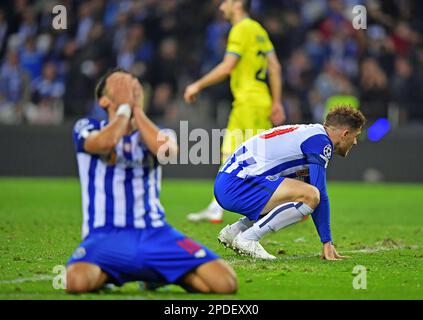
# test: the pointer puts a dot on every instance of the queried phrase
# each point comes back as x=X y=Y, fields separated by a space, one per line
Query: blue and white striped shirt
x=293 y=151
x=120 y=190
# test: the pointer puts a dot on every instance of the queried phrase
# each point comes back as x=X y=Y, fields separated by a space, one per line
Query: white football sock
x=280 y=217
x=241 y=225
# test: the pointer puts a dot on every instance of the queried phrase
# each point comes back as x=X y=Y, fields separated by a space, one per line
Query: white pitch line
x=46 y=277
x=381 y=249
x=43 y=277
x=354 y=251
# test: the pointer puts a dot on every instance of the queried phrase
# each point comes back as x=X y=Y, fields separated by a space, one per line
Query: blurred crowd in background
x=48 y=75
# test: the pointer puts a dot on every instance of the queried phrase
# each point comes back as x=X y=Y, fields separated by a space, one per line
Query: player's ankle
x=249 y=235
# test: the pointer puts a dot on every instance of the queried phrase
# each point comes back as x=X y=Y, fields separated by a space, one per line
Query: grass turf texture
x=379 y=225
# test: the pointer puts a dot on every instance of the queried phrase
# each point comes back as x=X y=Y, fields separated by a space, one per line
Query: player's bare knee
x=220 y=277
x=311 y=196
x=76 y=282
x=226 y=284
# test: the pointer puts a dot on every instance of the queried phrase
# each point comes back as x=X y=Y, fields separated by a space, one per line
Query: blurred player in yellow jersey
x=253 y=66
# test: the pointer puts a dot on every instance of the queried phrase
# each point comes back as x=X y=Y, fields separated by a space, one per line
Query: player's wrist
x=124 y=110
x=198 y=85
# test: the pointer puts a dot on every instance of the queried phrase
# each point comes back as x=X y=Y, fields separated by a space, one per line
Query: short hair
x=246 y=5
x=345 y=116
x=101 y=84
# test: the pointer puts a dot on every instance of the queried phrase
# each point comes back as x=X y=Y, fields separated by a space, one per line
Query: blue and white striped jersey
x=294 y=151
x=120 y=190
x=285 y=151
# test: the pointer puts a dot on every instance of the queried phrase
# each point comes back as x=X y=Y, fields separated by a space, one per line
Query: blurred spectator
x=162 y=109
x=127 y=53
x=31 y=59
x=316 y=49
x=406 y=87
x=165 y=65
x=144 y=48
x=380 y=46
x=85 y=23
x=120 y=30
x=28 y=26
x=167 y=42
x=4 y=29
x=14 y=89
x=374 y=90
x=215 y=42
x=46 y=97
x=403 y=38
x=330 y=82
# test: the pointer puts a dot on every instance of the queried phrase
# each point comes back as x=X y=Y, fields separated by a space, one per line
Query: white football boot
x=227 y=235
x=251 y=248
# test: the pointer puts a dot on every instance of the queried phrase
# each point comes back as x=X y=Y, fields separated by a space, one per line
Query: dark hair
x=345 y=116
x=101 y=84
x=246 y=5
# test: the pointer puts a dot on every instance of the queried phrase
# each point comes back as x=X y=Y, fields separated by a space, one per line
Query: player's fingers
x=332 y=258
x=329 y=255
x=191 y=97
x=343 y=257
x=187 y=96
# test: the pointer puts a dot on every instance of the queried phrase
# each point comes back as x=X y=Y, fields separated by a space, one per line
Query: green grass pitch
x=379 y=225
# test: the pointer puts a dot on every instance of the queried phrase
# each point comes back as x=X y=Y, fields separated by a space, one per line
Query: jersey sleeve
x=321 y=215
x=318 y=152
x=236 y=42
x=268 y=45
x=82 y=130
x=318 y=149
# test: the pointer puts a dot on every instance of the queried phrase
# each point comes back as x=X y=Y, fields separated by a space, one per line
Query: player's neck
x=238 y=17
x=331 y=135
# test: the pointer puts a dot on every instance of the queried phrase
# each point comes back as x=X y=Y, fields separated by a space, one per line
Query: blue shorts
x=245 y=196
x=158 y=254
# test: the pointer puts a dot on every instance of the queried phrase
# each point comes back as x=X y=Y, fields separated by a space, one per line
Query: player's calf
x=280 y=217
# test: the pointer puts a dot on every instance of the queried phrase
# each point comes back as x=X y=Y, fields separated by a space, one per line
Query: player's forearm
x=103 y=141
x=151 y=134
x=321 y=215
x=321 y=219
x=218 y=74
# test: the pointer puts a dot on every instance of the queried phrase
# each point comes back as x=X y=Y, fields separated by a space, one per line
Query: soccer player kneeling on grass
x=125 y=235
x=262 y=180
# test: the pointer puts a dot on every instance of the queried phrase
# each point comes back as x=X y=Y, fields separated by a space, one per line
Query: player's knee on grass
x=224 y=280
x=212 y=277
x=76 y=282
x=83 y=278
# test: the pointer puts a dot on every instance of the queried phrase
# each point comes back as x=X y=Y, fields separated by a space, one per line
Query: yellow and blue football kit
x=252 y=104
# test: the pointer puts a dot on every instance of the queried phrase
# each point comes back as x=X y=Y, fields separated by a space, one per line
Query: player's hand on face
x=278 y=116
x=119 y=88
x=191 y=93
